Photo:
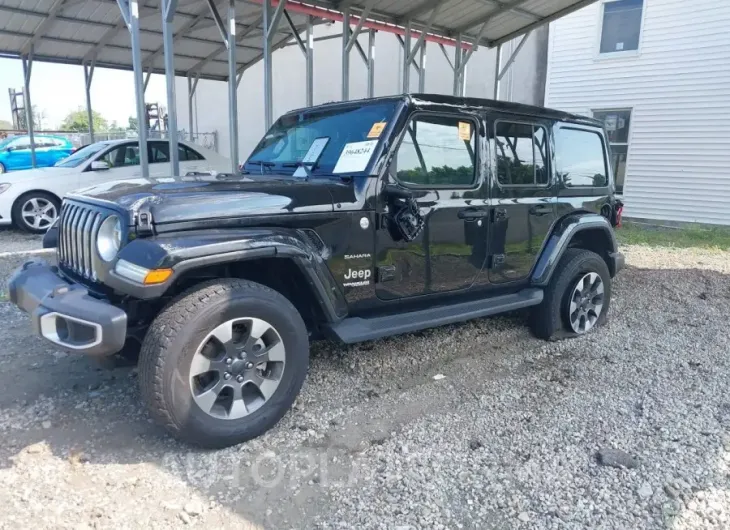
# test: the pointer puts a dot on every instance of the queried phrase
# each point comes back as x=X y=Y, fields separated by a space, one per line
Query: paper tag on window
x=377 y=129
x=464 y=130
x=619 y=46
x=355 y=157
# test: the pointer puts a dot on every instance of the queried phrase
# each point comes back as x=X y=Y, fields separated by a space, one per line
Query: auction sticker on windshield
x=355 y=156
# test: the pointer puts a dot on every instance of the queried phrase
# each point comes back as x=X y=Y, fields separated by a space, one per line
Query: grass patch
x=684 y=237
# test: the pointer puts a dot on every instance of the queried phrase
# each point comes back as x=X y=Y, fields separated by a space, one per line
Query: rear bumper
x=617 y=262
x=65 y=313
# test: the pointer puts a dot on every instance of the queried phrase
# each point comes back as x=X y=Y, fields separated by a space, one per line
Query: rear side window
x=187 y=154
x=521 y=151
x=580 y=158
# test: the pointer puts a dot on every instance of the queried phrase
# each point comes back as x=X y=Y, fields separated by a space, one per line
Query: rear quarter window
x=580 y=158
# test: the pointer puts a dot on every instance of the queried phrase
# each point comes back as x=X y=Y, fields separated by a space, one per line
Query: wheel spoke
x=268 y=387
x=224 y=333
x=238 y=407
x=200 y=365
x=34 y=203
x=207 y=398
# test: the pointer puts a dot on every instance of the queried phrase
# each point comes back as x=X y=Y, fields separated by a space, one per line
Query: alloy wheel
x=237 y=368
x=38 y=213
x=586 y=303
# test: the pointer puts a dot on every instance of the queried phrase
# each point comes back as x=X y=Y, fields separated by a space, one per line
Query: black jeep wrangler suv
x=351 y=221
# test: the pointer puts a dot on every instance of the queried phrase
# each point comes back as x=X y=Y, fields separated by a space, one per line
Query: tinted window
x=621 y=25
x=159 y=152
x=123 y=155
x=437 y=151
x=616 y=123
x=579 y=158
x=81 y=155
x=521 y=151
x=187 y=154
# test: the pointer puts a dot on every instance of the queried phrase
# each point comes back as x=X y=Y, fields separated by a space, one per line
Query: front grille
x=77 y=231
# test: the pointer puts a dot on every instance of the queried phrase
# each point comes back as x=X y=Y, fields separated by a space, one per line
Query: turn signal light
x=157 y=276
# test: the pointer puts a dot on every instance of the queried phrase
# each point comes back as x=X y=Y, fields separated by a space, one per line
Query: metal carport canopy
x=191 y=39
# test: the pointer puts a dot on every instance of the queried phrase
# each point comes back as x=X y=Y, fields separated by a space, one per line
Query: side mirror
x=398 y=192
x=10 y=148
x=99 y=165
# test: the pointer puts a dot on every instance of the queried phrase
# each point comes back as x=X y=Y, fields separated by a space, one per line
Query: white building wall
x=678 y=85
x=211 y=100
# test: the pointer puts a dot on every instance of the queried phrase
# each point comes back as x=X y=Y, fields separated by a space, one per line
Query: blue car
x=15 y=151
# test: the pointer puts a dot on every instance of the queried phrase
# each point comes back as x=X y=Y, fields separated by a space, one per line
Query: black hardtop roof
x=444 y=102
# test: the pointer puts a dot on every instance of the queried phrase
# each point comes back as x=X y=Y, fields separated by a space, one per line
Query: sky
x=58 y=89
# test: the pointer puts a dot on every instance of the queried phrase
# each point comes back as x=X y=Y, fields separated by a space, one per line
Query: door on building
x=524 y=195
x=433 y=239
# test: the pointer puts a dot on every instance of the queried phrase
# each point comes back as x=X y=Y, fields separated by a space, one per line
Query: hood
x=169 y=201
x=42 y=172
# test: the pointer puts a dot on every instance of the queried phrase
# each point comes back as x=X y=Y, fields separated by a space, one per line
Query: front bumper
x=65 y=313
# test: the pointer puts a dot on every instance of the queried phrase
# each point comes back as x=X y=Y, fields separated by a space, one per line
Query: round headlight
x=109 y=239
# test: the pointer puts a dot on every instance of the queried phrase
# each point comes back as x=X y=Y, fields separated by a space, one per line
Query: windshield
x=352 y=134
x=81 y=156
x=6 y=141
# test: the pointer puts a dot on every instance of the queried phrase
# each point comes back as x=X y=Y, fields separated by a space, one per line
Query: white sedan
x=31 y=199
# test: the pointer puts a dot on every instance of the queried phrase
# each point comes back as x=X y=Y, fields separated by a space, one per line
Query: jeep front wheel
x=577 y=298
x=223 y=362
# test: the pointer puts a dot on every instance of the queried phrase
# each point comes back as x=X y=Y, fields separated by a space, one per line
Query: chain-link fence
x=209 y=140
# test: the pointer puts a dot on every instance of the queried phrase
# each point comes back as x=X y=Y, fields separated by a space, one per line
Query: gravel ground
x=13 y=240
x=472 y=426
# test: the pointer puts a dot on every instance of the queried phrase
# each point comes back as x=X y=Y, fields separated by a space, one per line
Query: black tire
x=18 y=219
x=176 y=334
x=3 y=169
x=550 y=319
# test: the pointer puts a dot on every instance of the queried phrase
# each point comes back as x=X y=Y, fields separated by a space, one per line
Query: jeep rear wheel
x=223 y=362
x=577 y=298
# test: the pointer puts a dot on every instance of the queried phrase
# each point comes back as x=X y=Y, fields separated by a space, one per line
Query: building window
x=621 y=25
x=617 y=124
x=579 y=158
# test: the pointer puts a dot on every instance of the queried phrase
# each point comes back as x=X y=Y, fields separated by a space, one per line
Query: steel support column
x=458 y=70
x=371 y=63
x=407 y=57
x=130 y=13
x=271 y=24
x=192 y=85
x=232 y=86
x=497 y=77
x=27 y=68
x=422 y=66
x=88 y=76
x=310 y=61
x=345 y=55
x=168 y=8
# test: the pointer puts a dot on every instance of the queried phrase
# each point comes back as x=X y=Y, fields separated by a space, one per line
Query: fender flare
x=193 y=250
x=559 y=240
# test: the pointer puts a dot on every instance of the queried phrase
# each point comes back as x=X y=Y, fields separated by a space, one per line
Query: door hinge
x=386 y=273
x=499 y=214
x=496 y=260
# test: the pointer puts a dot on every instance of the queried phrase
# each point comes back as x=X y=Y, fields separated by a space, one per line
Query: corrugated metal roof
x=78 y=31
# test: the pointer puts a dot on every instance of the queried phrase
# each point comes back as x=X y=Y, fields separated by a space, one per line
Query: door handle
x=541 y=209
x=472 y=214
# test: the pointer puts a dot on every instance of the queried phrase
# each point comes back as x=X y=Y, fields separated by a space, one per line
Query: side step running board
x=358 y=329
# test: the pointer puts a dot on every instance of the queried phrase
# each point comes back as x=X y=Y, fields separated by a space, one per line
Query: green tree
x=78 y=120
x=5 y=125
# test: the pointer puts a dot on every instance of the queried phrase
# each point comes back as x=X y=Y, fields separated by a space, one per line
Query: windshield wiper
x=262 y=164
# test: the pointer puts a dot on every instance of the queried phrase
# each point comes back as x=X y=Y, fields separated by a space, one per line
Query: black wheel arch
x=286 y=261
x=589 y=231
